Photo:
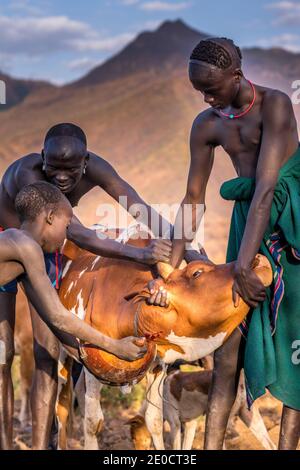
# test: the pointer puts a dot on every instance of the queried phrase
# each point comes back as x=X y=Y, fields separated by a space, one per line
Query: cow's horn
x=164 y=270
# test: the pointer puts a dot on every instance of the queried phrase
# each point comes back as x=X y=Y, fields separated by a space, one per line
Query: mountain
x=17 y=89
x=137 y=110
x=158 y=51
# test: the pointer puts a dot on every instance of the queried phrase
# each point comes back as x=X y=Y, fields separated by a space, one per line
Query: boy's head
x=44 y=205
x=65 y=156
x=215 y=70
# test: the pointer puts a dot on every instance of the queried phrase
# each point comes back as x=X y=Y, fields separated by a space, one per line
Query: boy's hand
x=248 y=286
x=130 y=348
x=159 y=295
x=158 y=250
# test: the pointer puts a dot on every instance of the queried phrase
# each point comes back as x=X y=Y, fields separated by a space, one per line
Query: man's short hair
x=66 y=129
x=214 y=53
x=36 y=197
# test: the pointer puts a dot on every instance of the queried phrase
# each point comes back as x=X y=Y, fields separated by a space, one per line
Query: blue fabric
x=50 y=265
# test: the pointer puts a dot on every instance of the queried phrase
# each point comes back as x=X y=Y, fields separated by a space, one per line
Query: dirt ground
x=116 y=434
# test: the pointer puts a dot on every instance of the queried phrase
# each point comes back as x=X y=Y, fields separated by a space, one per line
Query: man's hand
x=194 y=255
x=159 y=295
x=129 y=349
x=157 y=250
x=248 y=286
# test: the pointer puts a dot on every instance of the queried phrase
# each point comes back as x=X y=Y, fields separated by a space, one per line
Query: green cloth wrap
x=272 y=353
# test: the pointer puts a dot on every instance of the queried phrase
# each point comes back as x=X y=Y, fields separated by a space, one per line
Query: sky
x=60 y=41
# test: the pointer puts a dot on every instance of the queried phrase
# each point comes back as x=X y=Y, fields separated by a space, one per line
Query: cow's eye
x=197 y=273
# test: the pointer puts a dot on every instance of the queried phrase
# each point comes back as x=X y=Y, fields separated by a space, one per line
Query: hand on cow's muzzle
x=158 y=250
x=248 y=286
x=158 y=293
x=130 y=348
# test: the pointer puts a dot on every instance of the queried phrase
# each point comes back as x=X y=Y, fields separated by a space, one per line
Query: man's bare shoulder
x=99 y=169
x=27 y=164
x=28 y=161
x=204 y=126
x=276 y=99
x=22 y=243
x=27 y=169
x=96 y=160
x=21 y=238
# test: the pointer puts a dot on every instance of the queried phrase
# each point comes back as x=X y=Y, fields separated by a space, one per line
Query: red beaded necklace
x=236 y=116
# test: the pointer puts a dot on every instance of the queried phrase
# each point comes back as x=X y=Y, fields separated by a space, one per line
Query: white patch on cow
x=69 y=288
x=258 y=428
x=95 y=262
x=82 y=272
x=2 y=353
x=132 y=230
x=79 y=309
x=194 y=348
x=93 y=416
x=66 y=268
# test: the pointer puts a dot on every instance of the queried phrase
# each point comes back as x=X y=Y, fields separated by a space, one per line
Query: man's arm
x=157 y=250
x=105 y=176
x=47 y=303
x=202 y=157
x=277 y=114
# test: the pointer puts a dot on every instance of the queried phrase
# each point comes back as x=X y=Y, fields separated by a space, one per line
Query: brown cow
x=111 y=296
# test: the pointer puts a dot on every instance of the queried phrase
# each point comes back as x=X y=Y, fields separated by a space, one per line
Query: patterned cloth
x=272 y=329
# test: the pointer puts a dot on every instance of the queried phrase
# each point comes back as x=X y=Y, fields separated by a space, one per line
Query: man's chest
x=239 y=136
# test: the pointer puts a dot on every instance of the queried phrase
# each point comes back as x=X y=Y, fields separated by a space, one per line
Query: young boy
x=257 y=128
x=45 y=215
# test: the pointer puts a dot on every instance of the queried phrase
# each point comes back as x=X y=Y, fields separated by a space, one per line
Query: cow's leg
x=44 y=390
x=175 y=426
x=7 y=325
x=79 y=392
x=227 y=366
x=289 y=429
x=189 y=434
x=253 y=420
x=64 y=399
x=93 y=416
x=154 y=410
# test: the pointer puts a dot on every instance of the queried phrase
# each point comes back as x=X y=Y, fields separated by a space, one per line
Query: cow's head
x=200 y=297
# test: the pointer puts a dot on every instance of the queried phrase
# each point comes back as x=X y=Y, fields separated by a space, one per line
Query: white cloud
x=151 y=24
x=129 y=2
x=163 y=6
x=28 y=7
x=287 y=13
x=283 y=6
x=43 y=35
x=286 y=41
x=83 y=64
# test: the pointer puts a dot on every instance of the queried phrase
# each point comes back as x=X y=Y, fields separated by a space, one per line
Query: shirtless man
x=67 y=164
x=256 y=127
x=44 y=214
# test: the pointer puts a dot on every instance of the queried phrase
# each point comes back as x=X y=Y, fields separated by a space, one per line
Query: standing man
x=67 y=164
x=257 y=128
